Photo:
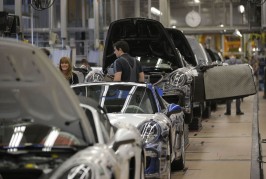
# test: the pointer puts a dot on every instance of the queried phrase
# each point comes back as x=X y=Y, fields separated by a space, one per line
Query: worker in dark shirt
x=126 y=67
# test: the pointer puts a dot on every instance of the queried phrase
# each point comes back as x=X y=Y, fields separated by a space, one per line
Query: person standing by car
x=85 y=65
x=66 y=69
x=254 y=62
x=126 y=68
x=84 y=68
x=233 y=61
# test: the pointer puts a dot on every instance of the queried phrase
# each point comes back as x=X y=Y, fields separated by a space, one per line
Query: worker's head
x=65 y=65
x=120 y=47
x=84 y=61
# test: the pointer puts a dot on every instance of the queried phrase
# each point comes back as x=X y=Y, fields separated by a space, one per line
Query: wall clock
x=193 y=19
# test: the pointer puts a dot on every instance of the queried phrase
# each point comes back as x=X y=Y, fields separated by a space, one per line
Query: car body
x=131 y=156
x=161 y=124
x=199 y=51
x=48 y=132
x=150 y=43
x=215 y=56
x=165 y=66
x=194 y=54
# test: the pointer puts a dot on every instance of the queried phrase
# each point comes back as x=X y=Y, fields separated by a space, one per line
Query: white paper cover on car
x=229 y=81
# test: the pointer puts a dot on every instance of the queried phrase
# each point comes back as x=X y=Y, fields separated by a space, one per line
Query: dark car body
x=146 y=38
x=190 y=50
x=215 y=56
x=152 y=45
x=163 y=62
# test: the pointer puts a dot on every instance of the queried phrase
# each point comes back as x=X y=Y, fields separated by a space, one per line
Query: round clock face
x=193 y=19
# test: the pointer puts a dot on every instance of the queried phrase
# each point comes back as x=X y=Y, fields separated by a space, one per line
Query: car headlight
x=150 y=131
x=79 y=171
x=178 y=78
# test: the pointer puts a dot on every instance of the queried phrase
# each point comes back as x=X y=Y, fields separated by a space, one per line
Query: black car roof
x=183 y=45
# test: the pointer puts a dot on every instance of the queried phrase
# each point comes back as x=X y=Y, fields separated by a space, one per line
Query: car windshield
x=153 y=62
x=198 y=51
x=121 y=98
x=21 y=133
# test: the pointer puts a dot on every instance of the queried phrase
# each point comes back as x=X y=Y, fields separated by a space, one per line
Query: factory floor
x=229 y=147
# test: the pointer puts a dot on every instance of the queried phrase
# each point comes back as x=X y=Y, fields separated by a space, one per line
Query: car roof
x=182 y=44
x=32 y=87
x=198 y=49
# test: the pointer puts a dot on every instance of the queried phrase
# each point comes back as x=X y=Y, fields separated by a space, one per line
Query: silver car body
x=170 y=137
x=33 y=91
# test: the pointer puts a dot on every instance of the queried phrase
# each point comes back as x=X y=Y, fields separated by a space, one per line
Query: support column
x=96 y=23
x=112 y=10
x=264 y=96
x=31 y=24
x=137 y=8
x=263 y=15
x=83 y=13
x=231 y=14
x=164 y=9
x=1 y=5
x=51 y=14
x=168 y=13
x=149 y=9
x=116 y=9
x=63 y=18
x=18 y=9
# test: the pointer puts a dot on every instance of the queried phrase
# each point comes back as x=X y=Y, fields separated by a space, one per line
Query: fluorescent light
x=237 y=33
x=156 y=11
x=241 y=9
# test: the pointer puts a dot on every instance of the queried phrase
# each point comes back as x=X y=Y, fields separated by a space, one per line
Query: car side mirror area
x=173 y=109
x=123 y=136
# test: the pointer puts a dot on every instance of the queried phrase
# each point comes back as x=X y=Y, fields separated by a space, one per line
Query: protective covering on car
x=229 y=81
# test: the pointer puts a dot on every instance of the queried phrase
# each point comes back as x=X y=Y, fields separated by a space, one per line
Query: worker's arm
x=141 y=77
x=117 y=76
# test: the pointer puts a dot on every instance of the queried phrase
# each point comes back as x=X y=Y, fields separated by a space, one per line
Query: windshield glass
x=121 y=98
x=198 y=51
x=154 y=62
x=18 y=134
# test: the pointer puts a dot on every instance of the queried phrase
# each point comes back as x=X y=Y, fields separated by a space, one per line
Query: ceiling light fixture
x=241 y=9
x=237 y=33
x=156 y=11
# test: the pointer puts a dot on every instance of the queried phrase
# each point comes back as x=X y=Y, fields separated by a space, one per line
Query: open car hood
x=146 y=37
x=32 y=88
x=182 y=44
